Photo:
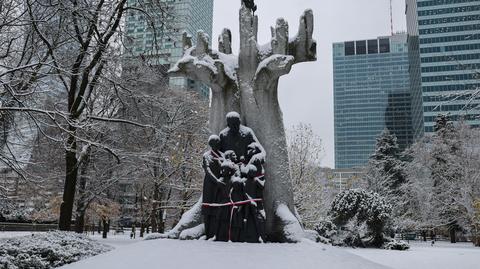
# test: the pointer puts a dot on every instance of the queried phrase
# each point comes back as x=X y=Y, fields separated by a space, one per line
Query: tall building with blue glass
x=162 y=45
x=447 y=35
x=372 y=92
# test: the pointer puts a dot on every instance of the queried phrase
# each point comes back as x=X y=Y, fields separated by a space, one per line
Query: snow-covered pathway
x=212 y=255
x=423 y=256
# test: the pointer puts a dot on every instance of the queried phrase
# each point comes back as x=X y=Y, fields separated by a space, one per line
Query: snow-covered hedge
x=10 y=211
x=397 y=245
x=358 y=219
x=47 y=250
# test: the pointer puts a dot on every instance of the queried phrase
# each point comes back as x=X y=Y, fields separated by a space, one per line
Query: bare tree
x=444 y=182
x=305 y=152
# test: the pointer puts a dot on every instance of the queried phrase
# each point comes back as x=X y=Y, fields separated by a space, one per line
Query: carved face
x=234 y=125
x=230 y=155
x=214 y=144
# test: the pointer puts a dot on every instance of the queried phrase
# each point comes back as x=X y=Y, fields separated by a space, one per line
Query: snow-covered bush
x=326 y=229
x=10 y=211
x=397 y=245
x=360 y=214
x=47 y=250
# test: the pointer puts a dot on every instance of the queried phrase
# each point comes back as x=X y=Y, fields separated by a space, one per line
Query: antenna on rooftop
x=391 y=17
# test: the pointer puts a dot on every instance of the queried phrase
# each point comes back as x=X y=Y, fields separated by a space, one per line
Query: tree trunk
x=453 y=236
x=106 y=225
x=71 y=170
x=82 y=203
x=142 y=229
x=80 y=222
x=154 y=214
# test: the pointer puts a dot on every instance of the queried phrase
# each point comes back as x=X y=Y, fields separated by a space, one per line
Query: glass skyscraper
x=446 y=34
x=371 y=93
x=163 y=46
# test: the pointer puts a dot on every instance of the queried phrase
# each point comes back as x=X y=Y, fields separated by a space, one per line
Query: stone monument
x=248 y=84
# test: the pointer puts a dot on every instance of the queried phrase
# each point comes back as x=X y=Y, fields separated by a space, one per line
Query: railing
x=26 y=227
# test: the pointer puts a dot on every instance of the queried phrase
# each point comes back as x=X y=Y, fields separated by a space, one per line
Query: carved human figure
x=223 y=217
x=254 y=224
x=237 y=137
x=256 y=157
x=231 y=156
x=212 y=161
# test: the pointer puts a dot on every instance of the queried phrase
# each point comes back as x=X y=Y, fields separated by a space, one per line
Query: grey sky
x=306 y=94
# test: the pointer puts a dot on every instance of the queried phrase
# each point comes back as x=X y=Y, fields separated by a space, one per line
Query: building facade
x=371 y=93
x=446 y=34
x=162 y=44
x=338 y=180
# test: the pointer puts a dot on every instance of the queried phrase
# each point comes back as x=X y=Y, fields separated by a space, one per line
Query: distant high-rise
x=172 y=19
x=372 y=92
x=445 y=60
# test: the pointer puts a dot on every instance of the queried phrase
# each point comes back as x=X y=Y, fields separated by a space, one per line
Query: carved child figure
x=227 y=171
x=254 y=226
x=212 y=161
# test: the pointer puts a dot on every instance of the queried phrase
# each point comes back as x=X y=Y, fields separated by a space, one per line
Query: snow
x=265 y=50
x=189 y=219
x=47 y=250
x=230 y=64
x=16 y=234
x=422 y=256
x=233 y=115
x=208 y=254
x=213 y=138
x=293 y=230
x=281 y=62
x=204 y=60
x=138 y=253
x=193 y=233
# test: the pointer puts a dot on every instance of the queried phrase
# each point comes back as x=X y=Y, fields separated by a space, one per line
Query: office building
x=371 y=93
x=162 y=45
x=446 y=34
x=338 y=180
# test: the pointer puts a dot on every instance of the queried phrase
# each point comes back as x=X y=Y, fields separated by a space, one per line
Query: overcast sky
x=306 y=94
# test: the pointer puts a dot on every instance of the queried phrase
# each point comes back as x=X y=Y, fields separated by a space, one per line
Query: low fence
x=26 y=227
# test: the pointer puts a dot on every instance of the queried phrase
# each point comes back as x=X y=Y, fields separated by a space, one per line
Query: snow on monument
x=248 y=84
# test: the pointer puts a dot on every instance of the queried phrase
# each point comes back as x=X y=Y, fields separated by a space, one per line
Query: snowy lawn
x=212 y=255
x=47 y=250
x=16 y=234
x=116 y=240
x=423 y=256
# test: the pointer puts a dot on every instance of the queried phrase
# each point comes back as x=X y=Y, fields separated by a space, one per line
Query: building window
x=361 y=47
x=373 y=46
x=349 y=48
x=384 y=45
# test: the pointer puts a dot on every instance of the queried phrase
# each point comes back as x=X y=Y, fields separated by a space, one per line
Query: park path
x=212 y=255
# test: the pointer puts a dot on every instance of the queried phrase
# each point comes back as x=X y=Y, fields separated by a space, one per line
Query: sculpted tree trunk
x=248 y=84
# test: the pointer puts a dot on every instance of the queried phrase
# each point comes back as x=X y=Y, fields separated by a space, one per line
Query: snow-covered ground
x=15 y=234
x=206 y=254
x=137 y=253
x=422 y=255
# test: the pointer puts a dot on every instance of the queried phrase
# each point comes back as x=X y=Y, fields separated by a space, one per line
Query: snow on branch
x=201 y=63
x=273 y=67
